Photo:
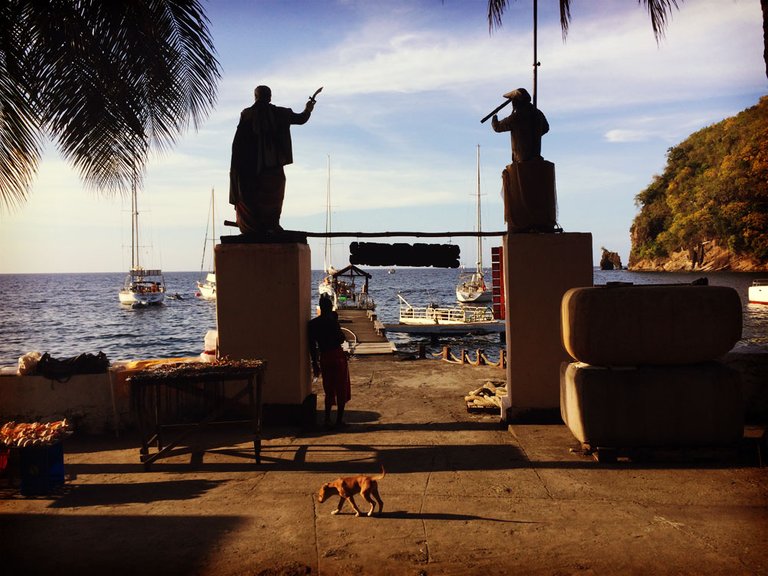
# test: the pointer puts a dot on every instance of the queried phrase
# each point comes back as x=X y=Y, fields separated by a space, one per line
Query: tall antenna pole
x=535 y=52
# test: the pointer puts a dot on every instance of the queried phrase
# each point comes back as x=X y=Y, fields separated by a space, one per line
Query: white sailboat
x=206 y=289
x=472 y=287
x=142 y=287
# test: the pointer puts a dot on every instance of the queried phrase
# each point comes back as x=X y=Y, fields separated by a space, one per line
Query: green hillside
x=711 y=198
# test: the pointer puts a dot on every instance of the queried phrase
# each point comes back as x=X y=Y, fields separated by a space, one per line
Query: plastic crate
x=42 y=469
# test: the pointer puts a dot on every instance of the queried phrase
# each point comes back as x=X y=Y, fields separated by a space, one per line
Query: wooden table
x=187 y=396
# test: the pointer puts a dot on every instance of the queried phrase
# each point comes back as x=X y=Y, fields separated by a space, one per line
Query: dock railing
x=443 y=315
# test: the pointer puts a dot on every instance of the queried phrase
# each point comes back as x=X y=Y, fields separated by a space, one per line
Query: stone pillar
x=538 y=270
x=263 y=306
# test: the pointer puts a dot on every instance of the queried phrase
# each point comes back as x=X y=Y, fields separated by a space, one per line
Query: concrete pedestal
x=538 y=270
x=262 y=309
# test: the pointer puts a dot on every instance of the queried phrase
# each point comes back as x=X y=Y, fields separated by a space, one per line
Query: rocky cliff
x=708 y=258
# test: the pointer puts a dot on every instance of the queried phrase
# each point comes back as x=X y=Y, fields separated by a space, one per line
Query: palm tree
x=658 y=10
x=106 y=81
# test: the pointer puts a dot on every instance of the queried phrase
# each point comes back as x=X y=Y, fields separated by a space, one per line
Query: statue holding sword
x=528 y=183
x=260 y=150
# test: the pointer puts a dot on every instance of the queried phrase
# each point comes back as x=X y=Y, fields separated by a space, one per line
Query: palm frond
x=565 y=16
x=20 y=140
x=496 y=10
x=660 y=11
x=110 y=80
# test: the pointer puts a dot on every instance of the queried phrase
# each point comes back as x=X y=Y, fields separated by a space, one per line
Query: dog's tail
x=380 y=476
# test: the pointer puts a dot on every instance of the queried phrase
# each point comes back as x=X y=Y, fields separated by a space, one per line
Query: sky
x=405 y=85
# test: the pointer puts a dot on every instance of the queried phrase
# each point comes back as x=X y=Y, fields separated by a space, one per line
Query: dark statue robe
x=260 y=149
x=527 y=125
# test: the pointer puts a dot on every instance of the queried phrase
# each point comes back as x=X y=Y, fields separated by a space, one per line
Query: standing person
x=527 y=125
x=260 y=149
x=328 y=358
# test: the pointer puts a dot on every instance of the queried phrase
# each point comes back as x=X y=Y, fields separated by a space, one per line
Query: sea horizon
x=68 y=313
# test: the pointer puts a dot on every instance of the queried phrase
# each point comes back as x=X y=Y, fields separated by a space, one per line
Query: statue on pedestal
x=530 y=203
x=260 y=149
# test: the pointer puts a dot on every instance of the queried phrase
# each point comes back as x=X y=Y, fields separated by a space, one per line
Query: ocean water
x=68 y=314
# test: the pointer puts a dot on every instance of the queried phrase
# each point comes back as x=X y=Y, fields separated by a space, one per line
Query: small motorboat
x=758 y=292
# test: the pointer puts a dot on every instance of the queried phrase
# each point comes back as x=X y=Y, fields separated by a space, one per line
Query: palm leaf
x=110 y=80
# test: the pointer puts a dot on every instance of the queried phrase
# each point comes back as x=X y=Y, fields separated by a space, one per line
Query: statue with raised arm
x=261 y=147
x=530 y=203
x=527 y=124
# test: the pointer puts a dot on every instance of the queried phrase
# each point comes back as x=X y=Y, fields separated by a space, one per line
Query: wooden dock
x=364 y=332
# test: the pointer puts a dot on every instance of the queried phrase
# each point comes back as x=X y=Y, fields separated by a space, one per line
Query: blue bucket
x=42 y=469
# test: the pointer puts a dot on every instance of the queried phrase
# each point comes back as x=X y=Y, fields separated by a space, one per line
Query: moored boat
x=142 y=287
x=434 y=319
x=206 y=289
x=472 y=287
x=758 y=292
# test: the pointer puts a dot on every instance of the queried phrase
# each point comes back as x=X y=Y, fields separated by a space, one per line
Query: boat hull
x=130 y=298
x=207 y=290
x=473 y=289
x=477 y=295
x=495 y=327
x=143 y=288
x=758 y=292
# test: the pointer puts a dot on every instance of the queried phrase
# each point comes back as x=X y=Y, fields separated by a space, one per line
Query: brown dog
x=346 y=488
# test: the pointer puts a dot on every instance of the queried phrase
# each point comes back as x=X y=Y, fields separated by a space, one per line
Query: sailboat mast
x=134 y=225
x=213 y=222
x=479 y=218
x=327 y=254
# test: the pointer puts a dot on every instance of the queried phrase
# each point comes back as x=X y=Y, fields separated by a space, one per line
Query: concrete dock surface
x=462 y=494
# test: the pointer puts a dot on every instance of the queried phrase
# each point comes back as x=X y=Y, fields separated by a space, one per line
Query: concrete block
x=697 y=405
x=659 y=325
x=262 y=310
x=538 y=270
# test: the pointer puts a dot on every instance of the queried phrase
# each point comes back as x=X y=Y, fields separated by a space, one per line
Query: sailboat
x=142 y=287
x=207 y=288
x=472 y=287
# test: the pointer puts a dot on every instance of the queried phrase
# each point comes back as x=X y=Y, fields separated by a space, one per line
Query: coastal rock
x=610 y=260
x=707 y=257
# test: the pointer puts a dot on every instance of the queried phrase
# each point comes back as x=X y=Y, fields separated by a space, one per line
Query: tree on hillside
x=106 y=81
x=658 y=10
x=714 y=189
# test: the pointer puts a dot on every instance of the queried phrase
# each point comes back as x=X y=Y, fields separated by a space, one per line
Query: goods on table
x=24 y=435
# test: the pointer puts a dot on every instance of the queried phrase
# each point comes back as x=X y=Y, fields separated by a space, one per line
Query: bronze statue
x=261 y=147
x=530 y=199
x=527 y=125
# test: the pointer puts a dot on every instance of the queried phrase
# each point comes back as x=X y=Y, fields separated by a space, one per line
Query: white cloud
x=626 y=136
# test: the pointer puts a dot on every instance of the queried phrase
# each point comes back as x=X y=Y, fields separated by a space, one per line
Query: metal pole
x=535 y=53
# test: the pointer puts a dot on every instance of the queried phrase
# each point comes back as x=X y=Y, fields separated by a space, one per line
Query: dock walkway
x=364 y=332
